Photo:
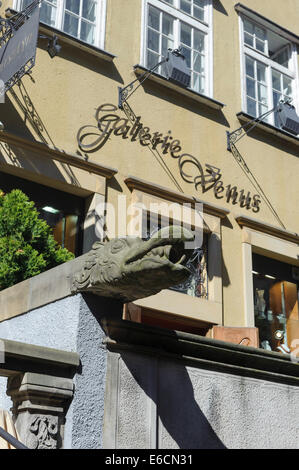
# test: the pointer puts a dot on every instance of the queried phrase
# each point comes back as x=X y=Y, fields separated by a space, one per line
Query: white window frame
x=100 y=20
x=202 y=26
x=291 y=72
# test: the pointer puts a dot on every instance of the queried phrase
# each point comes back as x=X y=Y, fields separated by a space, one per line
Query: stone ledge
x=269 y=129
x=207 y=353
x=154 y=189
x=23 y=357
x=260 y=226
x=48 y=151
x=45 y=288
x=187 y=92
x=72 y=41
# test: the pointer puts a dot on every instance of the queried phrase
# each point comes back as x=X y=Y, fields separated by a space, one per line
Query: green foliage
x=27 y=246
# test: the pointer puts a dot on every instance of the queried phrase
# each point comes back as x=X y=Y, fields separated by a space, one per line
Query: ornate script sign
x=204 y=176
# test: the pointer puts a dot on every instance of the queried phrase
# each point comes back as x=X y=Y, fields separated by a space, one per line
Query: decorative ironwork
x=235 y=136
x=17 y=61
x=129 y=111
x=125 y=92
x=6 y=31
x=197 y=283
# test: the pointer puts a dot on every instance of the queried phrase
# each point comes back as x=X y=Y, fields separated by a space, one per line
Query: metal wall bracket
x=235 y=136
x=125 y=92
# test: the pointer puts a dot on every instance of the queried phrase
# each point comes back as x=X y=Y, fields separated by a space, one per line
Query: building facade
x=107 y=149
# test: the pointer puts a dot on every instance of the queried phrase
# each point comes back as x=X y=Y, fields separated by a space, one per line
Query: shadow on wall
x=166 y=383
x=177 y=408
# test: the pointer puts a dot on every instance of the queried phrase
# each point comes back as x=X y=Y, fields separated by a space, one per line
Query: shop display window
x=275 y=286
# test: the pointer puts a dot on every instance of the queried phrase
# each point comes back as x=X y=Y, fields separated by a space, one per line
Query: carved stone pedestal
x=39 y=406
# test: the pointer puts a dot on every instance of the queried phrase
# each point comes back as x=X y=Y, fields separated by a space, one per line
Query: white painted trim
x=243 y=66
x=100 y=25
x=179 y=16
x=254 y=241
x=270 y=64
x=247 y=285
x=210 y=50
x=255 y=17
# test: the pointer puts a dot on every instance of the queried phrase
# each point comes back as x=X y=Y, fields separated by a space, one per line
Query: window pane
x=87 y=32
x=251 y=107
x=261 y=72
x=282 y=57
x=250 y=85
x=198 y=65
x=167 y=25
x=153 y=40
x=262 y=94
x=260 y=45
x=198 y=83
x=153 y=18
x=73 y=6
x=187 y=53
x=166 y=44
x=248 y=27
x=199 y=3
x=248 y=39
x=71 y=24
x=152 y=59
x=48 y=14
x=198 y=13
x=89 y=10
x=260 y=33
x=186 y=34
x=186 y=6
x=249 y=67
x=276 y=80
x=262 y=109
x=287 y=86
x=276 y=98
x=199 y=41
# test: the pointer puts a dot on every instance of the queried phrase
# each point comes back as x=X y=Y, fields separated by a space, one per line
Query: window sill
x=269 y=128
x=65 y=38
x=169 y=302
x=200 y=98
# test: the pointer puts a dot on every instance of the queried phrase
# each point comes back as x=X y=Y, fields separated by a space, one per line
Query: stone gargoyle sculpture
x=130 y=268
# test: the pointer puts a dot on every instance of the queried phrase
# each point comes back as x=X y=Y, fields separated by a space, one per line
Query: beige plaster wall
x=67 y=90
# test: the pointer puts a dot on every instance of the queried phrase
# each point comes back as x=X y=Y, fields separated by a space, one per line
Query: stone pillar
x=40 y=403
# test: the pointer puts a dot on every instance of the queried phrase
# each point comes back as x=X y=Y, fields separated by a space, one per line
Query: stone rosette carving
x=130 y=268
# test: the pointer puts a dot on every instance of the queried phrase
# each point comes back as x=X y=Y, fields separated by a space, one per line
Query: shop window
x=275 y=286
x=180 y=23
x=269 y=70
x=83 y=19
x=62 y=211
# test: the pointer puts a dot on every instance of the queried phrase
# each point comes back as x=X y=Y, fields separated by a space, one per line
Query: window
x=269 y=70
x=275 y=289
x=83 y=19
x=171 y=24
x=62 y=211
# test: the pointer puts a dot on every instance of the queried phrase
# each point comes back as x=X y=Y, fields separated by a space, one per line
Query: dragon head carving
x=130 y=268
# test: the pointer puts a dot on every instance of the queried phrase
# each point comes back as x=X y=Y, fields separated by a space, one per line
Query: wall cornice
x=134 y=183
x=48 y=151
